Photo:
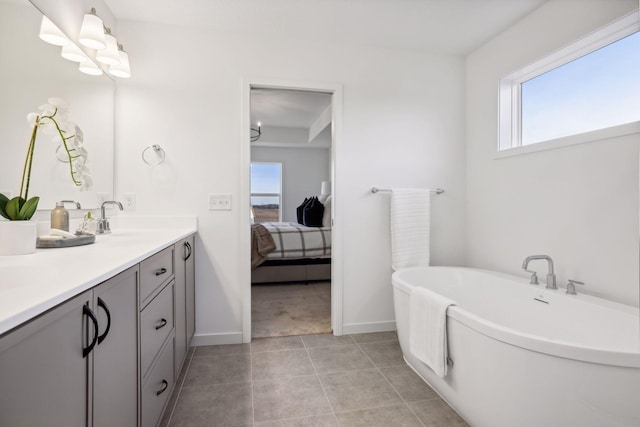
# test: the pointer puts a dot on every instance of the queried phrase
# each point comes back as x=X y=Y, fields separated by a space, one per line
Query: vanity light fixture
x=92 y=31
x=73 y=53
x=89 y=67
x=256 y=133
x=122 y=69
x=52 y=34
x=109 y=55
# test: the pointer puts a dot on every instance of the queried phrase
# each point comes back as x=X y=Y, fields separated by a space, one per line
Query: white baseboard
x=364 y=328
x=216 y=339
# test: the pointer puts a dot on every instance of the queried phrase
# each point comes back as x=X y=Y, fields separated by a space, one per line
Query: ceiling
x=447 y=26
x=287 y=108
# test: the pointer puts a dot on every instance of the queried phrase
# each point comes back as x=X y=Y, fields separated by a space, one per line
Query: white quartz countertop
x=32 y=284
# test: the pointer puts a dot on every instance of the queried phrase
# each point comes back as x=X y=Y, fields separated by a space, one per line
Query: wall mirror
x=31 y=71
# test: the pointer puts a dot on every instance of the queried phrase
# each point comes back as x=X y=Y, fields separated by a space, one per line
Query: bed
x=297 y=253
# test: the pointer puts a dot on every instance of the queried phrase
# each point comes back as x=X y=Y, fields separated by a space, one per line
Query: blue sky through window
x=265 y=178
x=596 y=91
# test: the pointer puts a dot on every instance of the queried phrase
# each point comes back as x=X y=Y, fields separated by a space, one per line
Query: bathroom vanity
x=95 y=335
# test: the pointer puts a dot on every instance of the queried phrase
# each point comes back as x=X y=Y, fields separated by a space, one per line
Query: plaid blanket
x=297 y=241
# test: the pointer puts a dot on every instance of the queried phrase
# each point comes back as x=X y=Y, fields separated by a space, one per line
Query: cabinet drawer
x=157 y=388
x=154 y=271
x=156 y=323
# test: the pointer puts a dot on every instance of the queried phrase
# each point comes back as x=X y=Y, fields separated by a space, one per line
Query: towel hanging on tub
x=410 y=219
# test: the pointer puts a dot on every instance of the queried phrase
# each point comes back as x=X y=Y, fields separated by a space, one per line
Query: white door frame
x=335 y=90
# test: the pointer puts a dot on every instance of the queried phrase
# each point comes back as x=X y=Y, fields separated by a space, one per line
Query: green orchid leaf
x=28 y=209
x=3 y=203
x=13 y=207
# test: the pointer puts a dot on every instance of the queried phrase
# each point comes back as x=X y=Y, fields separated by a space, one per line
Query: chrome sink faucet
x=103 y=221
x=551 y=277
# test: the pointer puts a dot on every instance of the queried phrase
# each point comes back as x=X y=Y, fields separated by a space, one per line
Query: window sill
x=593 y=136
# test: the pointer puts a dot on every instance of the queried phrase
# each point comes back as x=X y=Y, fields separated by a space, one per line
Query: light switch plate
x=219 y=202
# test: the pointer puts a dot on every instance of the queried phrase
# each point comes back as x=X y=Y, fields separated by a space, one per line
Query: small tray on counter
x=85 y=239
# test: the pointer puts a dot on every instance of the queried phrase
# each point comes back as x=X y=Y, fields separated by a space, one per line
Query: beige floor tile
x=214 y=350
x=384 y=353
x=327 y=420
x=396 y=416
x=339 y=358
x=326 y=340
x=289 y=398
x=375 y=337
x=278 y=364
x=406 y=382
x=233 y=368
x=349 y=391
x=214 y=405
x=278 y=343
x=436 y=413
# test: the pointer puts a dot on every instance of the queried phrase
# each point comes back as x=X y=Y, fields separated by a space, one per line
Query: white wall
x=303 y=170
x=579 y=204
x=403 y=126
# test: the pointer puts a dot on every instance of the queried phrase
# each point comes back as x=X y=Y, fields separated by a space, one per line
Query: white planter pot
x=18 y=237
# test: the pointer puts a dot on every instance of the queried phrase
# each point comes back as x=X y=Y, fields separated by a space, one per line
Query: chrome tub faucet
x=551 y=277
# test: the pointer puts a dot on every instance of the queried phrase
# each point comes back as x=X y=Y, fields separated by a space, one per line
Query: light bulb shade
x=325 y=187
x=52 y=34
x=122 y=69
x=109 y=55
x=92 y=32
x=73 y=53
x=89 y=67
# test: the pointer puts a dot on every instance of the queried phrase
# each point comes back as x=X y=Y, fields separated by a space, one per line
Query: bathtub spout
x=551 y=277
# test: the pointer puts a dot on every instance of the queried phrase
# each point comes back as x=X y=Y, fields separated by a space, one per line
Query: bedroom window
x=586 y=91
x=266 y=192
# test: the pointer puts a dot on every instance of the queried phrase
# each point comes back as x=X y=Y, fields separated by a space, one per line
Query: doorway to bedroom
x=291 y=215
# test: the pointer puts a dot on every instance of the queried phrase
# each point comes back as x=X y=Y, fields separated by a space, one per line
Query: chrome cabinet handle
x=163 y=323
x=161 y=271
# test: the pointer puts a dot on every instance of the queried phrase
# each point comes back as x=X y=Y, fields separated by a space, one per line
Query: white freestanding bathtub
x=527 y=356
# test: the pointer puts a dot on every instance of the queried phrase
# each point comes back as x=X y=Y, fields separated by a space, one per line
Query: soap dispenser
x=60 y=217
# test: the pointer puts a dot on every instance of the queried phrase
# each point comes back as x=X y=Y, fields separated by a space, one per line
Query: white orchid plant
x=53 y=120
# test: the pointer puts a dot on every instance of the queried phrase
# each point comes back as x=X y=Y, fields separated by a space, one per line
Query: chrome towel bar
x=386 y=190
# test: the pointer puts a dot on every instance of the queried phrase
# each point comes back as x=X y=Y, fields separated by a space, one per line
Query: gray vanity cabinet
x=115 y=356
x=43 y=375
x=185 y=298
x=60 y=370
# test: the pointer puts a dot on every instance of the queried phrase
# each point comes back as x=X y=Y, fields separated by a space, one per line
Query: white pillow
x=323 y=198
x=326 y=217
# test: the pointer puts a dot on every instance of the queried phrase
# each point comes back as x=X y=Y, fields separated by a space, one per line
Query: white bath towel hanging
x=428 y=328
x=409 y=227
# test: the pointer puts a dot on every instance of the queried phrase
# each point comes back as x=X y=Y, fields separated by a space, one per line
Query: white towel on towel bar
x=409 y=227
x=428 y=328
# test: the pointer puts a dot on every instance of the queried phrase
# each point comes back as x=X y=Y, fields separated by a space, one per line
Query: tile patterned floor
x=305 y=381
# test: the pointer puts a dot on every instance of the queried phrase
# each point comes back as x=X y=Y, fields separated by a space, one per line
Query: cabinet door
x=190 y=283
x=43 y=373
x=180 y=254
x=115 y=357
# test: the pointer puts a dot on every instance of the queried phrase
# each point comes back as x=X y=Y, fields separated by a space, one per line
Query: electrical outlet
x=219 y=202
x=101 y=198
x=129 y=201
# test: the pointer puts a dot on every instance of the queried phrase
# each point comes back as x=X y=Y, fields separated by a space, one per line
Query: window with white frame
x=592 y=85
x=266 y=192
